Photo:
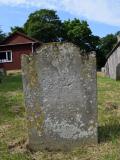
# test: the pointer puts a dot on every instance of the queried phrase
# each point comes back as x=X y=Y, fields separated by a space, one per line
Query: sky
x=103 y=16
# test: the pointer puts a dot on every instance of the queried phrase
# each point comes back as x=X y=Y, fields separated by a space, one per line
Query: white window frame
x=6 y=60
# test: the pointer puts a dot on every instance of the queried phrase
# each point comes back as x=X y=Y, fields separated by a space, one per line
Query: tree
x=117 y=33
x=44 y=25
x=17 y=28
x=106 y=45
x=2 y=35
x=79 y=33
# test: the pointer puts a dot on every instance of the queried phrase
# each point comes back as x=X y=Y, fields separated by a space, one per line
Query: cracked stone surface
x=59 y=83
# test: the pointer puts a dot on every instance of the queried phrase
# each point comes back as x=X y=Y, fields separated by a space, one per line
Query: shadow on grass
x=108 y=132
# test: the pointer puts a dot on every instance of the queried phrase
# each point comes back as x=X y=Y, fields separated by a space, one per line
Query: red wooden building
x=13 y=47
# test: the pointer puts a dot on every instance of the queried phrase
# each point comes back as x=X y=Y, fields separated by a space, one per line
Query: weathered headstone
x=60 y=94
x=118 y=72
x=2 y=74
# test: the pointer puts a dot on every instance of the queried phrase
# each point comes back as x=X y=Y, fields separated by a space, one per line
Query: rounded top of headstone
x=63 y=45
x=57 y=44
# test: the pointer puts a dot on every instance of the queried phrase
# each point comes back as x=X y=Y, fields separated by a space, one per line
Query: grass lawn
x=13 y=130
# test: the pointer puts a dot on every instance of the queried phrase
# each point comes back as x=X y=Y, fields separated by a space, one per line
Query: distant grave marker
x=59 y=84
x=118 y=72
x=2 y=74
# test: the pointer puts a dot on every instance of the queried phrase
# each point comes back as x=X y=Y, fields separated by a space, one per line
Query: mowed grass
x=13 y=128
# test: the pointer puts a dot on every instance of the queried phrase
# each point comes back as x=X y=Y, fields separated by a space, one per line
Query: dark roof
x=116 y=46
x=21 y=34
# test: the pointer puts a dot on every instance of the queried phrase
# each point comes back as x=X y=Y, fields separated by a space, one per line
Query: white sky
x=105 y=11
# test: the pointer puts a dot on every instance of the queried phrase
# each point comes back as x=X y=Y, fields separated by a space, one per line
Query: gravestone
x=2 y=74
x=59 y=83
x=118 y=72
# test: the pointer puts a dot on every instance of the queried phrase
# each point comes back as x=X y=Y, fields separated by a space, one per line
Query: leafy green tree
x=117 y=33
x=44 y=25
x=101 y=59
x=79 y=33
x=106 y=45
x=17 y=28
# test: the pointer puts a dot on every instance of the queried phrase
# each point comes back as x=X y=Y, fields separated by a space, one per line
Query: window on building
x=5 y=56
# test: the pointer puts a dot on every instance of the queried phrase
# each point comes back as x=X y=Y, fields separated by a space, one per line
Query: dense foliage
x=106 y=45
x=44 y=25
x=78 y=32
x=17 y=29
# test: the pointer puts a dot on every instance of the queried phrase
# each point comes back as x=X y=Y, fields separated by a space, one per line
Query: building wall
x=112 y=63
x=17 y=51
